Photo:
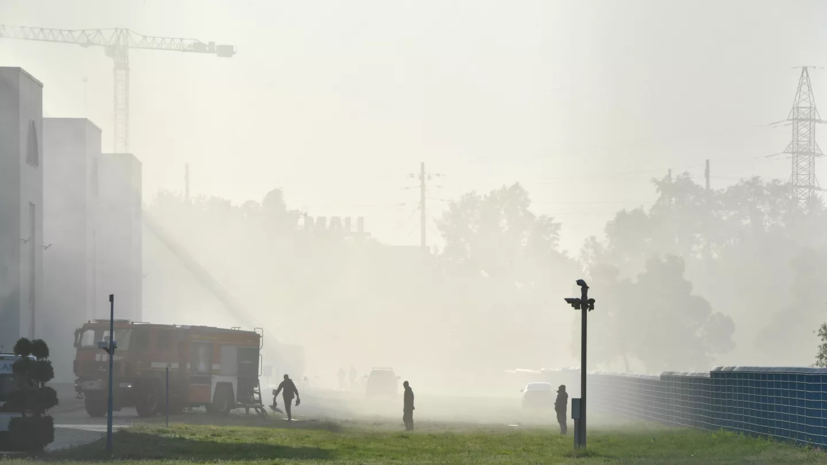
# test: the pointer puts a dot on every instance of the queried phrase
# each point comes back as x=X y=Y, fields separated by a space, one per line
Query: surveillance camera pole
x=585 y=305
x=111 y=351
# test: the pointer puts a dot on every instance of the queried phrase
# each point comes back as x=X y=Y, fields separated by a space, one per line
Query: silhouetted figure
x=290 y=391
x=560 y=406
x=408 y=407
x=342 y=375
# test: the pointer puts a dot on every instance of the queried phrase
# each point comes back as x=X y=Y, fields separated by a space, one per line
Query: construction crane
x=116 y=43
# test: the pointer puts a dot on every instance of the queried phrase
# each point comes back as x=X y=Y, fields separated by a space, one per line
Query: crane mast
x=116 y=43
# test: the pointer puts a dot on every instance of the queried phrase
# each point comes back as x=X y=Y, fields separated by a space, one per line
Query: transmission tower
x=803 y=148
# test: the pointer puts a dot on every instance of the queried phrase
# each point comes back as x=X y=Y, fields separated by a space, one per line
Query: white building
x=21 y=206
x=71 y=152
x=119 y=236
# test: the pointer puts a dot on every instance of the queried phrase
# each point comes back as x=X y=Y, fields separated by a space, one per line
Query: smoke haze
x=561 y=140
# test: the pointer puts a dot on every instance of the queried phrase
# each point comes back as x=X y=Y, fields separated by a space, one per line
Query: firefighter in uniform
x=289 y=391
x=560 y=406
x=408 y=407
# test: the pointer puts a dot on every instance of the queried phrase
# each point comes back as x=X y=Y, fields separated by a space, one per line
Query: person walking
x=408 y=407
x=560 y=406
x=289 y=391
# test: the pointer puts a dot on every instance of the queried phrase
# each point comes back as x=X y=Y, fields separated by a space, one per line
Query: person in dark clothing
x=289 y=391
x=408 y=407
x=560 y=406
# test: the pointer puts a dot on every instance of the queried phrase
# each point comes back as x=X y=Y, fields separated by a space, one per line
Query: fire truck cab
x=212 y=367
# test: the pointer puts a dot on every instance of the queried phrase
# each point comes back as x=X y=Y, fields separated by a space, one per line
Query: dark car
x=539 y=396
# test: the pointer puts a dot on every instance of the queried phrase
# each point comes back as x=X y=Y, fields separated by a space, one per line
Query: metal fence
x=783 y=403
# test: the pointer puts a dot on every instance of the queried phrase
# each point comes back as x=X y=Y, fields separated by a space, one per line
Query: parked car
x=382 y=382
x=539 y=396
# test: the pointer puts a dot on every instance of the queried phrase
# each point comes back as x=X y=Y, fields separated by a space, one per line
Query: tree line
x=700 y=277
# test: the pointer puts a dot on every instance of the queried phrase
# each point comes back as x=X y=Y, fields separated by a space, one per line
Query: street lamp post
x=585 y=305
x=109 y=347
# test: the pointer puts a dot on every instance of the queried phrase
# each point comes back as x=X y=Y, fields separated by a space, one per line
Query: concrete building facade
x=119 y=236
x=21 y=206
x=71 y=152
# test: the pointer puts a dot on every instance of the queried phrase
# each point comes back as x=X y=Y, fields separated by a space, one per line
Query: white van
x=8 y=383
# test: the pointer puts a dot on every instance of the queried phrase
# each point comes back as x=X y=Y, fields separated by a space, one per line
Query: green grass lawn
x=368 y=442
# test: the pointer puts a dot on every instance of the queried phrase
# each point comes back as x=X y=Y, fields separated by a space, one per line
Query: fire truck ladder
x=257 y=402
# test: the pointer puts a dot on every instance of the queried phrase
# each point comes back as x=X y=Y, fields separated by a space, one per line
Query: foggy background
x=581 y=103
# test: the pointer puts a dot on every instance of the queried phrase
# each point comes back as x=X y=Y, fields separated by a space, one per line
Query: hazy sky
x=336 y=101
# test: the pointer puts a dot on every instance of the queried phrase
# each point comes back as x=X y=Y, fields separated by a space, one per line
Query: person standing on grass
x=560 y=406
x=289 y=391
x=408 y=407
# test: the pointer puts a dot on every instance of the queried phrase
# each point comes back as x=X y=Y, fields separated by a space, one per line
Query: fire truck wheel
x=95 y=406
x=148 y=405
x=222 y=401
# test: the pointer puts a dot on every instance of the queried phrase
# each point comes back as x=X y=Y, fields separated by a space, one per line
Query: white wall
x=71 y=149
x=21 y=234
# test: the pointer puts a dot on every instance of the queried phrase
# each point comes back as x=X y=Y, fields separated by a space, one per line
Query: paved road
x=73 y=427
x=68 y=435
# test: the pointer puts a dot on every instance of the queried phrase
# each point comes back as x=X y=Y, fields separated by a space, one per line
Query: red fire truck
x=211 y=367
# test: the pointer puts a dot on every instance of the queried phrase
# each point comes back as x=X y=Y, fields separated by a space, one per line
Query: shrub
x=23 y=347
x=32 y=434
x=32 y=398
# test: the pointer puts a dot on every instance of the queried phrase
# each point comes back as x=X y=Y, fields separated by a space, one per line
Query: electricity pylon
x=803 y=148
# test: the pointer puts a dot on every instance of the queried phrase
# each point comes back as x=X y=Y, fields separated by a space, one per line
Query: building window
x=32 y=147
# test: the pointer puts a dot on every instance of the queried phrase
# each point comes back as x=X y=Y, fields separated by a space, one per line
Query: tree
x=821 y=356
x=494 y=234
x=658 y=319
x=737 y=244
x=780 y=339
x=502 y=270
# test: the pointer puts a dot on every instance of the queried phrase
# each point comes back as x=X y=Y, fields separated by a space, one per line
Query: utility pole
x=585 y=305
x=706 y=174
x=708 y=213
x=423 y=222
x=187 y=183
x=423 y=178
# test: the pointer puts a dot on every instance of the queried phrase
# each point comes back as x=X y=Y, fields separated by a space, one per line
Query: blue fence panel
x=782 y=403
